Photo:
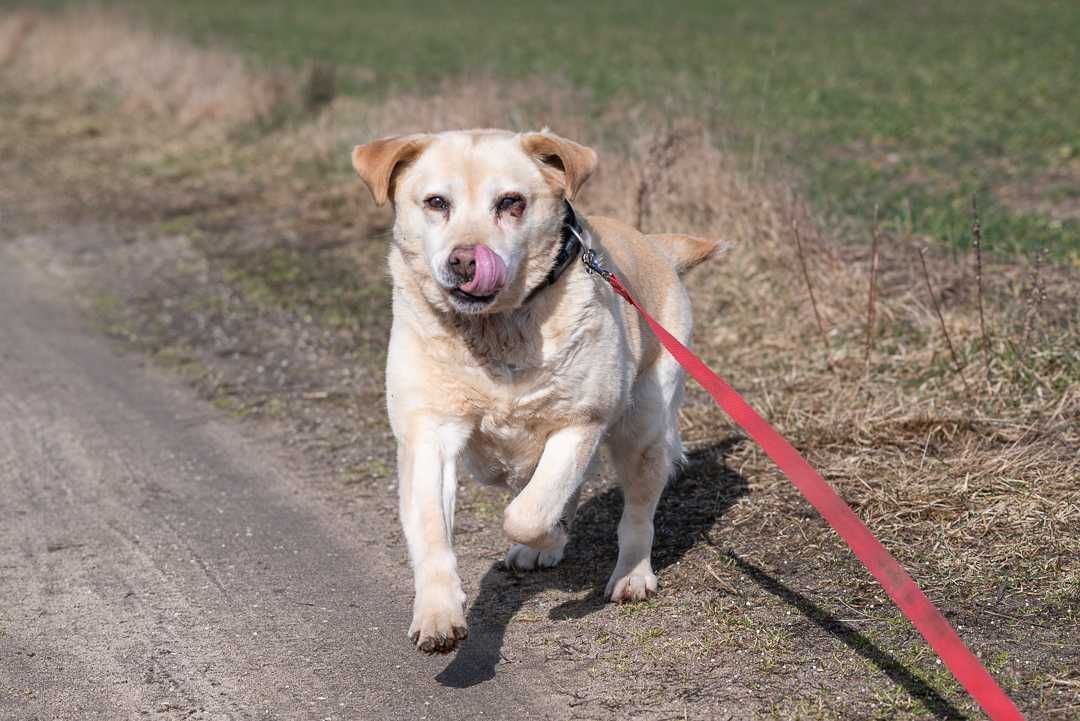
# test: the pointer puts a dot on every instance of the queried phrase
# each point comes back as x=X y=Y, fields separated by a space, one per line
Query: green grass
x=910 y=106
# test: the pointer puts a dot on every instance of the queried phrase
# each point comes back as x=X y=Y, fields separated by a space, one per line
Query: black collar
x=568 y=250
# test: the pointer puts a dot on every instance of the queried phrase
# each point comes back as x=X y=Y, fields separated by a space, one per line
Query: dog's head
x=478 y=213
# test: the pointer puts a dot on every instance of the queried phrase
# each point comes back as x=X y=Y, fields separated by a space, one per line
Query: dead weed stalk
x=976 y=242
x=941 y=319
x=870 y=304
x=1036 y=296
x=813 y=298
x=658 y=158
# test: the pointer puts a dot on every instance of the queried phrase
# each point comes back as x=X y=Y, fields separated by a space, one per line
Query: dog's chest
x=513 y=423
x=501 y=452
x=517 y=385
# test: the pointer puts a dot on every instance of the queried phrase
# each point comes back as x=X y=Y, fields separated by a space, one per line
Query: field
x=911 y=108
x=208 y=144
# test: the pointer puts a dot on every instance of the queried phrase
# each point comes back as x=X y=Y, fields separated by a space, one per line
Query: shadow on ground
x=857 y=642
x=692 y=504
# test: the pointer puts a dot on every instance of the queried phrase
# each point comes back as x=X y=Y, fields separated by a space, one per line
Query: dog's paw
x=438 y=626
x=525 y=558
x=631 y=587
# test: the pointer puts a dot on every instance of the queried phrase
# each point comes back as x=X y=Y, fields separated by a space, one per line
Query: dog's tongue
x=490 y=274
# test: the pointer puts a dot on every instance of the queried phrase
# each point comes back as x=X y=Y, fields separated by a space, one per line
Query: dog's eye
x=437 y=202
x=511 y=203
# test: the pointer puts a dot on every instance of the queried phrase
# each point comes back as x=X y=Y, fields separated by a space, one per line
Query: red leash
x=886 y=569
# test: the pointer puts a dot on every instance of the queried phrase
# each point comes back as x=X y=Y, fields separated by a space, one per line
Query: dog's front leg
x=427 y=470
x=533 y=518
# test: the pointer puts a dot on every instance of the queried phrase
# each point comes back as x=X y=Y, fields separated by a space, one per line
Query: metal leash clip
x=594 y=264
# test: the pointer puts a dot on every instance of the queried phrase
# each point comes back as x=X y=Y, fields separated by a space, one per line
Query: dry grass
x=98 y=50
x=978 y=491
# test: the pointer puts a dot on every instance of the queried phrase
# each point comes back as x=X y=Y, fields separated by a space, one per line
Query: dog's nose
x=462 y=262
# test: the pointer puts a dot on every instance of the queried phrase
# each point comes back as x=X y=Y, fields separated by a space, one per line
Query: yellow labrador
x=509 y=363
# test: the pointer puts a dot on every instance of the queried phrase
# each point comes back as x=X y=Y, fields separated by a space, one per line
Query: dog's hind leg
x=644 y=449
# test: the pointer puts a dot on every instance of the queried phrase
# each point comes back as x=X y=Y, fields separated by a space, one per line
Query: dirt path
x=152 y=559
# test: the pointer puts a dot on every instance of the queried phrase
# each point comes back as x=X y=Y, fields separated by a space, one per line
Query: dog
x=509 y=363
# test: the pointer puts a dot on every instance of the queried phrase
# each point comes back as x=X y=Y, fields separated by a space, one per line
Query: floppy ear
x=378 y=161
x=565 y=164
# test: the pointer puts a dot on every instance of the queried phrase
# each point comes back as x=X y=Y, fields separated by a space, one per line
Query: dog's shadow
x=702 y=491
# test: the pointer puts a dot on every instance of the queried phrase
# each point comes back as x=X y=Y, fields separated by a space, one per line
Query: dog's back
x=651 y=266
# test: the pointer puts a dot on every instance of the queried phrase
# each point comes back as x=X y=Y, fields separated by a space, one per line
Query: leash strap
x=886 y=569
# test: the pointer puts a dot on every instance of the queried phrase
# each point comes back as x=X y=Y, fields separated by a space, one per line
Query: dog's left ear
x=380 y=160
x=565 y=164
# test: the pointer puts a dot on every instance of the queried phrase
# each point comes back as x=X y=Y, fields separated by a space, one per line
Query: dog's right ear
x=380 y=160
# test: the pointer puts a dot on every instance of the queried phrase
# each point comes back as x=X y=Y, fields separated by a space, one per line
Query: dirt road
x=154 y=560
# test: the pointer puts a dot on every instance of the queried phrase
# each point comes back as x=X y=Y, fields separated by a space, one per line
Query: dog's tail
x=686 y=251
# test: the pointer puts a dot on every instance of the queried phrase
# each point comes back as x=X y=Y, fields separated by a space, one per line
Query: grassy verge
x=910 y=107
x=242 y=253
